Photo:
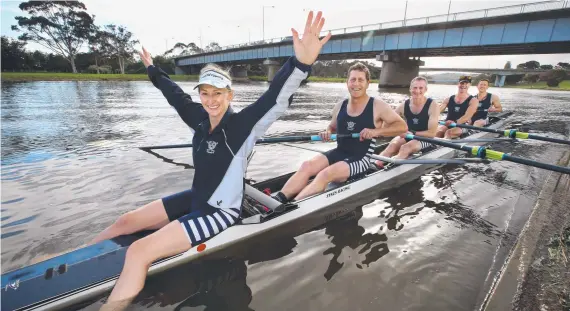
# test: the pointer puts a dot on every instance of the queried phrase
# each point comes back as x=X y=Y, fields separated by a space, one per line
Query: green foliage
x=339 y=69
x=532 y=64
x=531 y=78
x=118 y=42
x=61 y=26
x=563 y=65
x=554 y=77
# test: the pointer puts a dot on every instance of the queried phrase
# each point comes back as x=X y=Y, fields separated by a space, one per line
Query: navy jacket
x=220 y=157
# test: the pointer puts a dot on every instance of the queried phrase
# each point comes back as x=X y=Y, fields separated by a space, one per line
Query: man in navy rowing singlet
x=487 y=103
x=421 y=114
x=460 y=109
x=368 y=116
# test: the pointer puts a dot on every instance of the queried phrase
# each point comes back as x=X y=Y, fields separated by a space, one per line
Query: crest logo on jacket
x=211 y=146
x=416 y=120
x=350 y=125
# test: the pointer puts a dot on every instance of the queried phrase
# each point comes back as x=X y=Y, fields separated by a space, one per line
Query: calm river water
x=71 y=166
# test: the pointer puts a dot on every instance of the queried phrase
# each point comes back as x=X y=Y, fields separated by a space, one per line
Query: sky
x=159 y=25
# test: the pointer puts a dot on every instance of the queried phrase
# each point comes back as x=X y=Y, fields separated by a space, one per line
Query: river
x=71 y=166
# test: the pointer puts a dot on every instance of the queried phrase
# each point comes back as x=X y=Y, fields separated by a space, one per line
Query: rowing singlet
x=455 y=110
x=346 y=124
x=417 y=122
x=483 y=105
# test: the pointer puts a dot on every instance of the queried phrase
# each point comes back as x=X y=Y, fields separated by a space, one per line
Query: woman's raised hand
x=309 y=46
x=145 y=57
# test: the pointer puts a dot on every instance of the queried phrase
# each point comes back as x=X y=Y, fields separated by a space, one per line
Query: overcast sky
x=160 y=24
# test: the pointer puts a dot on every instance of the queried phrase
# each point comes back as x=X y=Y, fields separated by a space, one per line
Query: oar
x=401 y=161
x=485 y=153
x=267 y=140
x=510 y=133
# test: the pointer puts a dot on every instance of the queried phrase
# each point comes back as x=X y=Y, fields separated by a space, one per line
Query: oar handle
x=336 y=136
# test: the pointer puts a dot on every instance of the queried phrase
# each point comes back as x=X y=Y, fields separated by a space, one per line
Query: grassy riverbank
x=54 y=76
x=60 y=76
x=541 y=85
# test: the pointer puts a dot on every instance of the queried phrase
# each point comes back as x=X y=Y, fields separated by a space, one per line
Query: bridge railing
x=483 y=13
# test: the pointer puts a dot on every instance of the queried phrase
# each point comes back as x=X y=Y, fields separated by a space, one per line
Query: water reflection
x=70 y=166
x=48 y=120
x=345 y=232
x=215 y=285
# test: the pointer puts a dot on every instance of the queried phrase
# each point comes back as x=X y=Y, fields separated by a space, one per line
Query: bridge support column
x=272 y=68
x=500 y=80
x=397 y=69
x=179 y=71
x=239 y=72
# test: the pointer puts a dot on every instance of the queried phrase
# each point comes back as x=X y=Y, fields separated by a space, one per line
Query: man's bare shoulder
x=380 y=103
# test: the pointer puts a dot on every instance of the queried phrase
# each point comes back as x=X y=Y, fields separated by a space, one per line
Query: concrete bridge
x=500 y=73
x=536 y=28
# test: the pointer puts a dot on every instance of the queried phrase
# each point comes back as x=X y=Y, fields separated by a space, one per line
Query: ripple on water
x=11 y=234
x=74 y=152
x=12 y=201
x=19 y=222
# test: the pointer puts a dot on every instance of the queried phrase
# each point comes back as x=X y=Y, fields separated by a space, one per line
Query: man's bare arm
x=473 y=103
x=332 y=125
x=443 y=105
x=495 y=104
x=433 y=122
x=392 y=123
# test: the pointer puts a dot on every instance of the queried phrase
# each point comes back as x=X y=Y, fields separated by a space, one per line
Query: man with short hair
x=359 y=114
x=460 y=109
x=421 y=115
x=487 y=103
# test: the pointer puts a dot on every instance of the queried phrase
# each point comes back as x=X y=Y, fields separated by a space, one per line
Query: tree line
x=553 y=76
x=65 y=27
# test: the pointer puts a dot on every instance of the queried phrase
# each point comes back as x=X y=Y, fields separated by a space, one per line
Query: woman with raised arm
x=222 y=141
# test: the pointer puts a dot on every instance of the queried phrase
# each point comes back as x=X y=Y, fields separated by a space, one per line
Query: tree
x=61 y=26
x=553 y=77
x=13 y=54
x=564 y=65
x=546 y=67
x=531 y=78
x=120 y=43
x=187 y=49
x=507 y=65
x=99 y=47
x=529 y=65
x=213 y=46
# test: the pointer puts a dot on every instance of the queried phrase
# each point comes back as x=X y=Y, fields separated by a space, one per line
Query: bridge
x=500 y=73
x=535 y=28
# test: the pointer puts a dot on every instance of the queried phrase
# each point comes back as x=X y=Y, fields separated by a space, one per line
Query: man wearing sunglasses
x=460 y=109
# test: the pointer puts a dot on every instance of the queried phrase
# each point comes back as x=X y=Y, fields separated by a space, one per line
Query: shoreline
x=49 y=76
x=535 y=275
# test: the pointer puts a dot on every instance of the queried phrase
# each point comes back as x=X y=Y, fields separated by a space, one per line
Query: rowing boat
x=72 y=278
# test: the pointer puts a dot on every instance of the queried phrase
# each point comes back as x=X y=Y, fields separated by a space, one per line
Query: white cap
x=215 y=79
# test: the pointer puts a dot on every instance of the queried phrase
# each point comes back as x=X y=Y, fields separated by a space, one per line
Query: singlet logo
x=350 y=125
x=211 y=146
x=457 y=109
x=13 y=285
x=416 y=120
x=480 y=104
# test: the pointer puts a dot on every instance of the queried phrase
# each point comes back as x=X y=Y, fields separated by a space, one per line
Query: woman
x=222 y=140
